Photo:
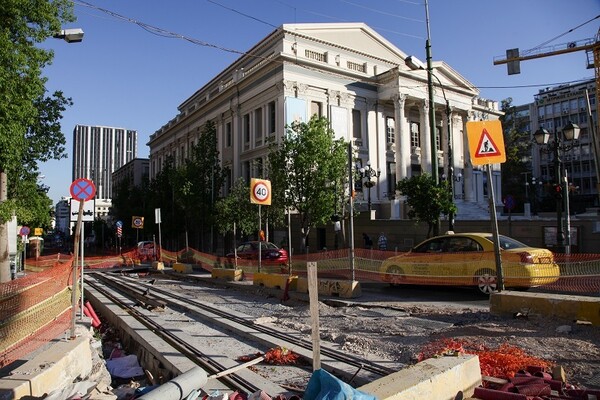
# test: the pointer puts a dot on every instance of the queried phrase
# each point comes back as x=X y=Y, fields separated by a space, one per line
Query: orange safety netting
x=501 y=362
x=34 y=308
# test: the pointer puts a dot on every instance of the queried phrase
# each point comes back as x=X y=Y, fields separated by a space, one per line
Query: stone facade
x=357 y=79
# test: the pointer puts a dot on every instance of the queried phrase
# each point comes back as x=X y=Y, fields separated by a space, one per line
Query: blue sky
x=122 y=75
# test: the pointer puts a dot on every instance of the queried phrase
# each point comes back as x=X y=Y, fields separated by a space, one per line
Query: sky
x=125 y=74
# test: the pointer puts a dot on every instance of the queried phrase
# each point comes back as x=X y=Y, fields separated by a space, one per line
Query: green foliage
x=518 y=152
x=235 y=208
x=29 y=121
x=426 y=200
x=305 y=168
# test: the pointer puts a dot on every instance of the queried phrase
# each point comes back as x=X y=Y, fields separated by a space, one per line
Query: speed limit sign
x=260 y=191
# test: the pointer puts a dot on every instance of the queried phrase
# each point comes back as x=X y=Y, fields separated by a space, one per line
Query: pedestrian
x=382 y=242
x=368 y=241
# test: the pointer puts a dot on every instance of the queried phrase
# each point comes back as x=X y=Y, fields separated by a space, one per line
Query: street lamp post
x=571 y=135
x=368 y=173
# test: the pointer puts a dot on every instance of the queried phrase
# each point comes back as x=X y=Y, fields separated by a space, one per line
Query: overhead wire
x=172 y=35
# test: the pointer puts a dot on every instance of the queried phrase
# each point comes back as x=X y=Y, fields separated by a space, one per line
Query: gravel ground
x=380 y=327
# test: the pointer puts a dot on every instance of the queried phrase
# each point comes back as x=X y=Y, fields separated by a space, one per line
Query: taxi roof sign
x=486 y=142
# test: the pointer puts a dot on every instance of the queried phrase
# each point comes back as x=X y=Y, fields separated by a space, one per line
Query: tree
x=198 y=183
x=302 y=168
x=518 y=151
x=25 y=23
x=236 y=209
x=426 y=200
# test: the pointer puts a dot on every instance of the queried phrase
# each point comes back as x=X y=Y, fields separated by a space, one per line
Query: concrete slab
x=436 y=378
x=333 y=287
x=182 y=268
x=50 y=370
x=569 y=307
x=277 y=281
x=227 y=274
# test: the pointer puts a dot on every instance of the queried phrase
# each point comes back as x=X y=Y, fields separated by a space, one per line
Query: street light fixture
x=70 y=35
x=570 y=134
x=368 y=173
x=415 y=64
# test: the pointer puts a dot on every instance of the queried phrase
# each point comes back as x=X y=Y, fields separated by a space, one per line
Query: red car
x=270 y=253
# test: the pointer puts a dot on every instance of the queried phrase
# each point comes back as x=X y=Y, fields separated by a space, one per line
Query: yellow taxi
x=468 y=259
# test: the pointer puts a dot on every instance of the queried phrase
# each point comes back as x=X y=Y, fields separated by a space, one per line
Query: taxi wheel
x=396 y=276
x=486 y=281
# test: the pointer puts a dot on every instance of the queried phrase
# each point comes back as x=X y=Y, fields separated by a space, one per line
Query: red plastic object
x=88 y=305
x=87 y=313
x=489 y=394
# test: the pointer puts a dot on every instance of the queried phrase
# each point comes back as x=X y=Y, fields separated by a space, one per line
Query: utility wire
x=171 y=35
x=561 y=35
x=241 y=13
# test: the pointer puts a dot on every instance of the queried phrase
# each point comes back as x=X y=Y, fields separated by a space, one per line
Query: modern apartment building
x=357 y=79
x=98 y=151
x=552 y=109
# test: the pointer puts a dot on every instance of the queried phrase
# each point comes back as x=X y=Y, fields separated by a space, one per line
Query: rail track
x=350 y=368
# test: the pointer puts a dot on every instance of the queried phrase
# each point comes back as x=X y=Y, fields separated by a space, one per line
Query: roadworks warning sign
x=486 y=142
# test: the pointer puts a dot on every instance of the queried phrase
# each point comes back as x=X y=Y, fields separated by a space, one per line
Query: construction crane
x=592 y=48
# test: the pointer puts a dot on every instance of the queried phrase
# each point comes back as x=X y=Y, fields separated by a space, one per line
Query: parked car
x=468 y=259
x=270 y=253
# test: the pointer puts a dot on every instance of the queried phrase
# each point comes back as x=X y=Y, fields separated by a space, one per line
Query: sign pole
x=82 y=242
x=74 y=277
x=499 y=271
x=259 y=239
x=81 y=190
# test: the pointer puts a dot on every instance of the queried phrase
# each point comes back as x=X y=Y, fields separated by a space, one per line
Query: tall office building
x=98 y=151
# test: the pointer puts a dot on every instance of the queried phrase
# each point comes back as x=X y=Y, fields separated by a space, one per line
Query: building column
x=376 y=129
x=401 y=152
x=425 y=137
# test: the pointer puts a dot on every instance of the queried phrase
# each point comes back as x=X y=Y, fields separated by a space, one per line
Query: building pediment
x=358 y=37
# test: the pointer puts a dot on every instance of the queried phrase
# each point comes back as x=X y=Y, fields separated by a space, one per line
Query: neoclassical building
x=357 y=79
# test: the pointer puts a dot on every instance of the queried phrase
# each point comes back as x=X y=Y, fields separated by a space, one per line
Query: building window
x=356 y=124
x=438 y=137
x=316 y=108
x=271 y=117
x=246 y=171
x=390 y=133
x=246 y=128
x=258 y=133
x=228 y=134
x=415 y=134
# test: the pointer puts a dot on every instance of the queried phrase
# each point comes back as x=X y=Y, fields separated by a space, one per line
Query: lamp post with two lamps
x=570 y=134
x=368 y=174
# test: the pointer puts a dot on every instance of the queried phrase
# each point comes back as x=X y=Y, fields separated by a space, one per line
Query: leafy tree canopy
x=305 y=168
x=426 y=200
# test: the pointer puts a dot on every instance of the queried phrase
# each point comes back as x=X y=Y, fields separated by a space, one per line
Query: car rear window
x=507 y=243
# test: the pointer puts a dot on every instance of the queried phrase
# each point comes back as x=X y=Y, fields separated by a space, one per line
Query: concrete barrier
x=277 y=281
x=568 y=307
x=53 y=369
x=333 y=287
x=158 y=265
x=436 y=378
x=182 y=268
x=227 y=274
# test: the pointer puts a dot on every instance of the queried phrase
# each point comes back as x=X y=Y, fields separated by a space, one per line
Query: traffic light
x=558 y=192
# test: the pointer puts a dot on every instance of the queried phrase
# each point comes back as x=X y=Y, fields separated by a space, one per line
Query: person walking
x=382 y=242
x=368 y=241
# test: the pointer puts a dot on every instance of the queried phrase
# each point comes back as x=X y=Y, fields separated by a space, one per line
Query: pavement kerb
x=568 y=307
x=435 y=378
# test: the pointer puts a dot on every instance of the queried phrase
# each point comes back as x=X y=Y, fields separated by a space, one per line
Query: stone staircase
x=472 y=211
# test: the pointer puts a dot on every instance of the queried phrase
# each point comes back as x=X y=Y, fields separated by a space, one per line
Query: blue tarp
x=324 y=386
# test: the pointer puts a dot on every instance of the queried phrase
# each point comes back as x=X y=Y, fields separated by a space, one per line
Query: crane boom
x=540 y=52
x=592 y=47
